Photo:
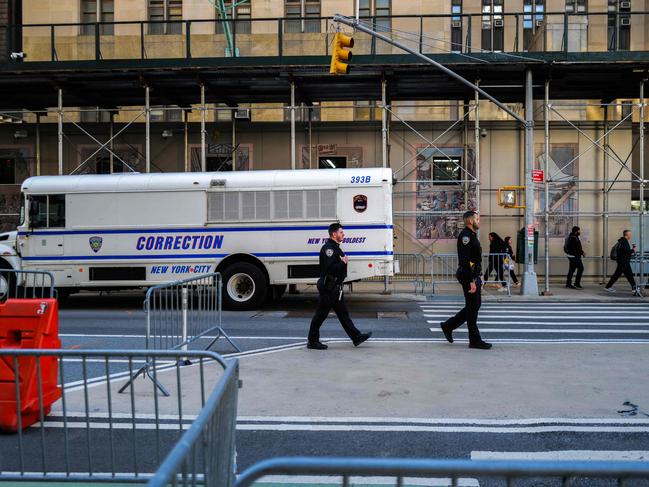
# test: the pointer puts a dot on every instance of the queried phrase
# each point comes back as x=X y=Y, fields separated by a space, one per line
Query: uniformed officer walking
x=333 y=271
x=469 y=255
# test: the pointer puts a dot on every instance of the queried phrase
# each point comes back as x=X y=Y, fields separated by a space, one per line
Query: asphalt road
x=117 y=322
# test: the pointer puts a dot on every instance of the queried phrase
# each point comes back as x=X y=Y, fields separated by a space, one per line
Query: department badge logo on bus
x=95 y=243
x=360 y=203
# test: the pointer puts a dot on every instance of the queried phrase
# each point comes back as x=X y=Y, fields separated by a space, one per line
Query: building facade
x=448 y=150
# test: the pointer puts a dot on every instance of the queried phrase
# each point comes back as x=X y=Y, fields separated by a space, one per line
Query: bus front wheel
x=244 y=287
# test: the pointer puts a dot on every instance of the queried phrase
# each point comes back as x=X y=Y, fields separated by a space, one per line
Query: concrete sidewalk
x=406 y=379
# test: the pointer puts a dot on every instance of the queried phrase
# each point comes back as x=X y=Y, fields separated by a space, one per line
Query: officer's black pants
x=468 y=314
x=575 y=264
x=622 y=268
x=325 y=303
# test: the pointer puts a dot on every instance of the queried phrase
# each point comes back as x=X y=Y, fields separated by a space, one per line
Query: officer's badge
x=360 y=203
x=465 y=240
x=329 y=252
x=95 y=243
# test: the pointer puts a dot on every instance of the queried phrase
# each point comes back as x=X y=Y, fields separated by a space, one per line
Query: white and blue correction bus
x=262 y=230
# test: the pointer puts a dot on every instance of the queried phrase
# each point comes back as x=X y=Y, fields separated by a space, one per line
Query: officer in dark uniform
x=333 y=271
x=469 y=254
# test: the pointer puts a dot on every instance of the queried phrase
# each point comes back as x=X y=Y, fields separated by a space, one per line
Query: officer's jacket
x=333 y=271
x=469 y=254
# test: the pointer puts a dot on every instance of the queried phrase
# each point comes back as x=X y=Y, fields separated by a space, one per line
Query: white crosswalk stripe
x=579 y=321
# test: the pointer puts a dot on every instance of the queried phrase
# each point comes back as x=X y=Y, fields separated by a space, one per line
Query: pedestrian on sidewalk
x=469 y=270
x=621 y=253
x=496 y=262
x=512 y=259
x=573 y=249
x=333 y=271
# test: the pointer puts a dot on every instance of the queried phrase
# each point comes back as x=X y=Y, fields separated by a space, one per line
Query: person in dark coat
x=573 y=249
x=623 y=253
x=496 y=262
x=469 y=255
x=510 y=251
x=333 y=271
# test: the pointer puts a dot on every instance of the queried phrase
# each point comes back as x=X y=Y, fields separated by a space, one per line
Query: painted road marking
x=566 y=455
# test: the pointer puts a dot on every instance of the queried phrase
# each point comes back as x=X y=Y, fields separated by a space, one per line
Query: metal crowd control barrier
x=412 y=268
x=179 y=313
x=506 y=473
x=94 y=435
x=443 y=268
x=23 y=284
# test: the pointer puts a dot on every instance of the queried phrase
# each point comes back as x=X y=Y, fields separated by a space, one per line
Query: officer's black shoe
x=363 y=337
x=570 y=286
x=578 y=286
x=316 y=346
x=448 y=334
x=480 y=345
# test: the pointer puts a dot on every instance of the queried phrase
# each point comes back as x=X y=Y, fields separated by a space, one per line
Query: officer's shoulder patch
x=329 y=252
x=465 y=240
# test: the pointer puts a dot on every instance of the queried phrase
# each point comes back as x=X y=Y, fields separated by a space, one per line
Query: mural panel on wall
x=442 y=191
x=563 y=168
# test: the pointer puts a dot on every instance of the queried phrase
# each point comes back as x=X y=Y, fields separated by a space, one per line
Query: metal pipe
x=546 y=161
x=384 y=124
x=203 y=148
x=234 y=141
x=642 y=183
x=111 y=154
x=60 y=132
x=186 y=140
x=605 y=200
x=38 y=144
x=293 y=155
x=476 y=136
x=359 y=26
x=530 y=285
x=147 y=124
x=310 y=137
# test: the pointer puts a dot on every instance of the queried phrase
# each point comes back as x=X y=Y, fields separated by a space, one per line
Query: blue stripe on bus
x=201 y=230
x=193 y=256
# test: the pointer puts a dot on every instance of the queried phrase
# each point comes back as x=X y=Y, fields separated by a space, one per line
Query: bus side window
x=56 y=211
x=38 y=211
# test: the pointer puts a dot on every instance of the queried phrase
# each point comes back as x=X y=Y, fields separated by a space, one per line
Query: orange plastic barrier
x=28 y=323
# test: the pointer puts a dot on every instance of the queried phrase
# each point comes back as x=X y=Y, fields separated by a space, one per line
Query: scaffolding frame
x=389 y=113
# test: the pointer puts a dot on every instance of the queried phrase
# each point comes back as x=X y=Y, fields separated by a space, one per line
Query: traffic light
x=341 y=54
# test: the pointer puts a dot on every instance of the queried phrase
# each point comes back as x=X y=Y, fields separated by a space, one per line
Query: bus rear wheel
x=244 y=287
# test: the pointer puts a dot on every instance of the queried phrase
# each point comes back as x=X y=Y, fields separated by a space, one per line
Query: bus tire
x=244 y=287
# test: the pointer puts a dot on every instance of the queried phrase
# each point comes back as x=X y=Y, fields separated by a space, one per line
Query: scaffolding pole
x=546 y=187
x=186 y=140
x=147 y=134
x=293 y=156
x=111 y=156
x=476 y=136
x=530 y=286
x=234 y=141
x=384 y=124
x=203 y=148
x=605 y=200
x=642 y=183
x=38 y=144
x=60 y=132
